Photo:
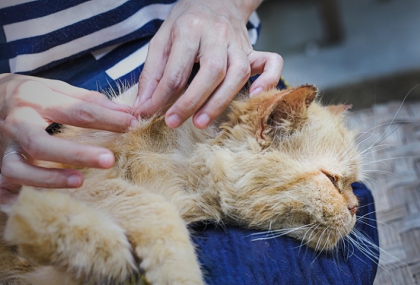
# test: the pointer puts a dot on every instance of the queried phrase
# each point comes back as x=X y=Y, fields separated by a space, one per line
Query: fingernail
x=173 y=121
x=74 y=181
x=256 y=92
x=106 y=160
x=203 y=120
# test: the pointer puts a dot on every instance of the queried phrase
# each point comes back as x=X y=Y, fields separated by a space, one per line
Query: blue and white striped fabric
x=90 y=44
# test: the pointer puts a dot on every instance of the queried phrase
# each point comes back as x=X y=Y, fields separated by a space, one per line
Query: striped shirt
x=90 y=44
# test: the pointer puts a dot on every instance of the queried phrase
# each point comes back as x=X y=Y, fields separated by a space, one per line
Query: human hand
x=214 y=34
x=27 y=106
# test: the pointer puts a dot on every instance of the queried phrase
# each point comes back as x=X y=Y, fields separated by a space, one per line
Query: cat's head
x=290 y=162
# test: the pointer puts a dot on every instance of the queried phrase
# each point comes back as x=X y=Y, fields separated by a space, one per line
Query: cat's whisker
x=370 y=165
x=320 y=238
x=372 y=131
x=313 y=231
x=326 y=240
x=380 y=222
x=380 y=171
x=366 y=205
x=361 y=142
x=281 y=230
x=318 y=243
x=363 y=249
x=372 y=251
x=276 y=233
x=359 y=239
x=391 y=158
x=364 y=217
x=365 y=240
x=380 y=139
x=272 y=236
x=344 y=244
x=304 y=236
x=375 y=251
x=375 y=162
x=367 y=224
x=367 y=214
x=357 y=144
x=342 y=233
x=375 y=144
x=351 y=250
x=269 y=232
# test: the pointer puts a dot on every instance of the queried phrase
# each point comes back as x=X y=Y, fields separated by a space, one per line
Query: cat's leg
x=51 y=228
x=12 y=266
x=159 y=236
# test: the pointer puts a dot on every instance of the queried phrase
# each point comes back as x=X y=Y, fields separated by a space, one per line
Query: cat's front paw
x=179 y=266
x=160 y=239
x=51 y=228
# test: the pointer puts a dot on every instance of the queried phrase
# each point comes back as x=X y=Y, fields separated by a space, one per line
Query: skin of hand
x=27 y=106
x=214 y=34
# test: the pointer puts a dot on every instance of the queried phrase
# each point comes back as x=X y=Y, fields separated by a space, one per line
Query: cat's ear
x=286 y=111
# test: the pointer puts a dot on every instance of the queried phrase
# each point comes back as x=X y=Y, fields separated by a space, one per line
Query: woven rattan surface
x=393 y=165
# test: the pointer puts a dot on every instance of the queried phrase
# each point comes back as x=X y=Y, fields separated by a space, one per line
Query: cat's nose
x=352 y=208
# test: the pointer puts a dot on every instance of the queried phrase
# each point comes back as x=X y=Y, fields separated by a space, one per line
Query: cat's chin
x=320 y=236
x=328 y=238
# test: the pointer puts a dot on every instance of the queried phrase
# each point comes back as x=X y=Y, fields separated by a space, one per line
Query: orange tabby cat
x=280 y=160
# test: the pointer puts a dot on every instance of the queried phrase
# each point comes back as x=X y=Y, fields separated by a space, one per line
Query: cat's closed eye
x=333 y=179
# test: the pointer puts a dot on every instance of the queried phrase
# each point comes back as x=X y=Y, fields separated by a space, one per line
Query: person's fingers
x=154 y=67
x=56 y=107
x=33 y=84
x=269 y=65
x=16 y=170
x=8 y=189
x=101 y=100
x=237 y=74
x=88 y=115
x=174 y=79
x=213 y=63
x=45 y=147
x=42 y=146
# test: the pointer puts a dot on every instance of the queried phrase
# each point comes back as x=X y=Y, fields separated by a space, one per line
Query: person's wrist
x=239 y=9
x=246 y=7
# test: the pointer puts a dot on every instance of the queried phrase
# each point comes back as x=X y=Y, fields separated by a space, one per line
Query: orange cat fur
x=280 y=160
